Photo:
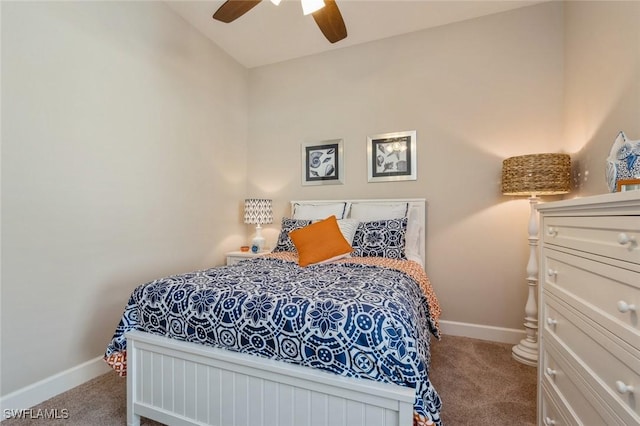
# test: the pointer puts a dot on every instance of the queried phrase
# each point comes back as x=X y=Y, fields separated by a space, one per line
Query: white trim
x=38 y=392
x=482 y=332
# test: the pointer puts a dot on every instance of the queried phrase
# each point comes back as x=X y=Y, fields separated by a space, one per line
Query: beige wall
x=476 y=92
x=123 y=159
x=602 y=84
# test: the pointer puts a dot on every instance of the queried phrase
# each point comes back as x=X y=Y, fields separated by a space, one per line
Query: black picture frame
x=323 y=163
x=392 y=157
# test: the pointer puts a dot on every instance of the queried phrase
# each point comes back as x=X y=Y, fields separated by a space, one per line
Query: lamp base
x=526 y=352
x=257 y=244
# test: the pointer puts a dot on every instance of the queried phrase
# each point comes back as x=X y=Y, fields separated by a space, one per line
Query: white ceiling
x=268 y=34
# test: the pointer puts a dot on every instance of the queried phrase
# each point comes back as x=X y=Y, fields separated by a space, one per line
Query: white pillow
x=370 y=212
x=318 y=211
x=412 y=238
x=348 y=228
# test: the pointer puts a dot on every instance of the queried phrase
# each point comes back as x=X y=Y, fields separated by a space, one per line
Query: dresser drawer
x=600 y=291
x=616 y=237
x=595 y=356
x=554 y=410
x=574 y=399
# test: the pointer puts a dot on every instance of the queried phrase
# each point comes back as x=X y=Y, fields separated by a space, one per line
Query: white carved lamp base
x=526 y=351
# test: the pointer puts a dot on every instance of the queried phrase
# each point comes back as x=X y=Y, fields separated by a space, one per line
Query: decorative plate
x=623 y=161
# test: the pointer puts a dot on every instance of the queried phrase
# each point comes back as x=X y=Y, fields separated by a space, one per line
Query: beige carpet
x=478 y=381
x=481 y=384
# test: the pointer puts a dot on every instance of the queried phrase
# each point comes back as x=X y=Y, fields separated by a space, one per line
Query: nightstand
x=234 y=257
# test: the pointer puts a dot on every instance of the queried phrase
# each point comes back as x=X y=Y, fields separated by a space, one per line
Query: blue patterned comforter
x=356 y=320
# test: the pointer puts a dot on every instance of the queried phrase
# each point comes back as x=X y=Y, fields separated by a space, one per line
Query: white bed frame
x=182 y=383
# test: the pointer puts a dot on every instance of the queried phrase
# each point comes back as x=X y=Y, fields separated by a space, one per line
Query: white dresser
x=589 y=360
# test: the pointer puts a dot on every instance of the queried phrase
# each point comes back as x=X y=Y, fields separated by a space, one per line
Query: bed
x=305 y=335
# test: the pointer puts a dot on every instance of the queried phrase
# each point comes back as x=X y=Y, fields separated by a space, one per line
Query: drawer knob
x=624 y=239
x=548 y=421
x=623 y=387
x=552 y=273
x=551 y=231
x=624 y=307
x=551 y=322
x=551 y=372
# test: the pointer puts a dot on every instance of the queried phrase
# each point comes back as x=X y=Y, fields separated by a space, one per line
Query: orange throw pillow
x=320 y=242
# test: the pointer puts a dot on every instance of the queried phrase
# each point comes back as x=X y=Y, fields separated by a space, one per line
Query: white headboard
x=416 y=224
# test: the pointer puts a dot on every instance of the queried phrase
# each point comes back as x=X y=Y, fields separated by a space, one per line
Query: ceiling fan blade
x=330 y=22
x=233 y=9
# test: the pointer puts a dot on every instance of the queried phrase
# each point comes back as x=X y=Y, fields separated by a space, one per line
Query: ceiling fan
x=325 y=13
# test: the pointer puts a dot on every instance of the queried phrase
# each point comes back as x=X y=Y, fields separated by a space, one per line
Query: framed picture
x=627 y=185
x=323 y=163
x=392 y=156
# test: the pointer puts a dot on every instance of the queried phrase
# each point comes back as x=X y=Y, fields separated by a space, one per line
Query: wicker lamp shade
x=536 y=174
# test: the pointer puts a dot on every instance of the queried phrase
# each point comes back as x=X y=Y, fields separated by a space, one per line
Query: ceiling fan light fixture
x=325 y=12
x=310 y=6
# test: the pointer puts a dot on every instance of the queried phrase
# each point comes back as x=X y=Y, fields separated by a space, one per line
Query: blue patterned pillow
x=284 y=242
x=381 y=238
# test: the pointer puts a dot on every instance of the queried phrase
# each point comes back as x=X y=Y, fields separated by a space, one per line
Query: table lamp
x=257 y=211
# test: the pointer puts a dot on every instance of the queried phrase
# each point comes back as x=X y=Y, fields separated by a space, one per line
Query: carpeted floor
x=481 y=384
x=478 y=381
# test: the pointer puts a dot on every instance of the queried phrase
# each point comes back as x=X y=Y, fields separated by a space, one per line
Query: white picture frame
x=323 y=162
x=392 y=157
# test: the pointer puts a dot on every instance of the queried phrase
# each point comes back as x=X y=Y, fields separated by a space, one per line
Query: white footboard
x=180 y=383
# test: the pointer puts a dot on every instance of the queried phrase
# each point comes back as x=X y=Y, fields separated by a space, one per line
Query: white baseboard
x=483 y=332
x=47 y=388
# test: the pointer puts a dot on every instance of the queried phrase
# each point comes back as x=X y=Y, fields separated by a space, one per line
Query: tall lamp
x=534 y=175
x=258 y=211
